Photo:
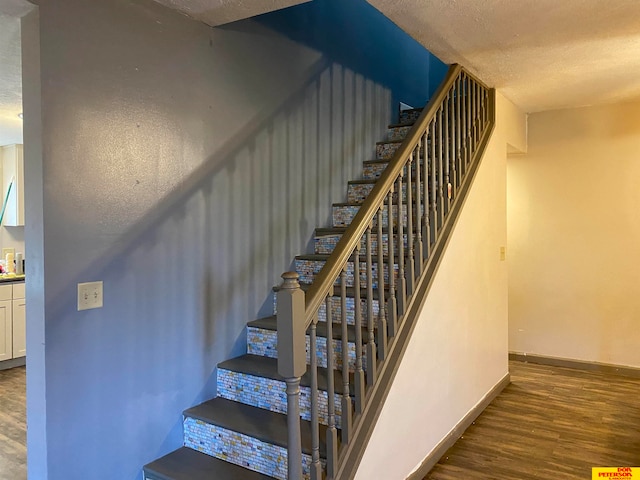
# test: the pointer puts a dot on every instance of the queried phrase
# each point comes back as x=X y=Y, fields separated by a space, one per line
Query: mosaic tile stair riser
x=264 y=343
x=358 y=192
x=342 y=216
x=336 y=310
x=325 y=244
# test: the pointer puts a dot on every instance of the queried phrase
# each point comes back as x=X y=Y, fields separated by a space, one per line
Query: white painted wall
x=574 y=236
x=12 y=237
x=458 y=351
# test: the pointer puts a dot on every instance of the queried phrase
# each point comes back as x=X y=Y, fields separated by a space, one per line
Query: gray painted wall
x=184 y=166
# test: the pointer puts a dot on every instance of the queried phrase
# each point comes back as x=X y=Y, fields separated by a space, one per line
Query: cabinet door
x=19 y=329
x=6 y=342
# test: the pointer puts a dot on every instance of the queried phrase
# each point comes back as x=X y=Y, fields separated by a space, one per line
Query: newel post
x=292 y=363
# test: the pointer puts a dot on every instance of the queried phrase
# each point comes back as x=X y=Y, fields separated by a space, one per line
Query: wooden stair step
x=188 y=464
x=245 y=435
x=271 y=323
x=351 y=293
x=323 y=257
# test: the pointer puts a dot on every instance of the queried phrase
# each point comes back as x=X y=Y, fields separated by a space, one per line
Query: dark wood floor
x=551 y=423
x=13 y=425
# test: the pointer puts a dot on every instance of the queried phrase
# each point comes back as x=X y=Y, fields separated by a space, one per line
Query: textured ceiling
x=543 y=54
x=219 y=12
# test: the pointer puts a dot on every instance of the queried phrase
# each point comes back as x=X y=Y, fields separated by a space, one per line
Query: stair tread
x=267 y=367
x=376 y=161
x=325 y=256
x=364 y=181
x=271 y=323
x=371 y=181
x=351 y=292
x=259 y=423
x=353 y=204
x=188 y=464
x=324 y=231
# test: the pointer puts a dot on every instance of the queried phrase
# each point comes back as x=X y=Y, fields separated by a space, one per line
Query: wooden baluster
x=465 y=129
x=292 y=363
x=475 y=116
x=469 y=122
x=346 y=398
x=371 y=339
x=469 y=126
x=332 y=431
x=485 y=109
x=392 y=306
x=452 y=141
x=316 y=467
x=440 y=172
x=420 y=191
x=434 y=201
x=402 y=281
x=411 y=274
x=478 y=115
x=487 y=106
x=358 y=376
x=481 y=107
x=445 y=185
x=382 y=317
x=426 y=209
x=458 y=133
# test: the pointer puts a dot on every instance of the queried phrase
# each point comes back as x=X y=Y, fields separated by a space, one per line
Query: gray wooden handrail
x=346 y=245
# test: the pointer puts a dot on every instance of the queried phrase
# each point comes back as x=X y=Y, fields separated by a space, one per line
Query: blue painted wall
x=183 y=166
x=356 y=35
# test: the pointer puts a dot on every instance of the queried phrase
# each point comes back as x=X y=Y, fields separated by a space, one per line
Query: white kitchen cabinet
x=12 y=321
x=6 y=330
x=13 y=173
x=19 y=321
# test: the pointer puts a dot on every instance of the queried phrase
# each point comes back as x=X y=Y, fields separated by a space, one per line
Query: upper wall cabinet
x=13 y=176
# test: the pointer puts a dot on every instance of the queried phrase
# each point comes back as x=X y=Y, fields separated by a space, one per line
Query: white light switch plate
x=89 y=295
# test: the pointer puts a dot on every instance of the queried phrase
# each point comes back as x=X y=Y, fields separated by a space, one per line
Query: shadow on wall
x=224 y=237
x=185 y=167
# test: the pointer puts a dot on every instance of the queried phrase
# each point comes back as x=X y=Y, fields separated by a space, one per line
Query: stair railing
x=385 y=260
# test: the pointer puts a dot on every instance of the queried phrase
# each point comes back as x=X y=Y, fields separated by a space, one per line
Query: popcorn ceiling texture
x=543 y=55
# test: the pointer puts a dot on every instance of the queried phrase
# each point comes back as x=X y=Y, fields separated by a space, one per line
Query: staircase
x=244 y=433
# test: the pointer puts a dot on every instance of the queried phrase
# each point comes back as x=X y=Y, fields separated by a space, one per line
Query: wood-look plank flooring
x=550 y=423
x=13 y=424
